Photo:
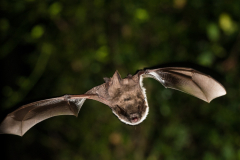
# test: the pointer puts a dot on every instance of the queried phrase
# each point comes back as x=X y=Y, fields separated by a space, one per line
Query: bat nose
x=134 y=117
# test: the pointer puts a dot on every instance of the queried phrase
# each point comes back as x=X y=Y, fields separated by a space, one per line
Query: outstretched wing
x=189 y=81
x=21 y=120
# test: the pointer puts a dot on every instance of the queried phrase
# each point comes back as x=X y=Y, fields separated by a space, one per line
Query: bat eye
x=121 y=110
x=139 y=107
x=127 y=99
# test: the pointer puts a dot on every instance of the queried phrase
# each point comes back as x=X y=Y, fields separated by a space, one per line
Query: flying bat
x=125 y=97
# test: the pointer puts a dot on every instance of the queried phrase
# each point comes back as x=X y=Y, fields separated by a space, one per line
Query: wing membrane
x=21 y=120
x=189 y=81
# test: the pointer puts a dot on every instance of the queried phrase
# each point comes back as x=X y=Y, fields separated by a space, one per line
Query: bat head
x=128 y=99
x=132 y=110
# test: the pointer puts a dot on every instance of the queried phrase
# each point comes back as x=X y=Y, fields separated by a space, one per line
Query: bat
x=125 y=97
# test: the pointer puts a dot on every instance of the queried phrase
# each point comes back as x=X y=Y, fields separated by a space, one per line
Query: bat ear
x=116 y=79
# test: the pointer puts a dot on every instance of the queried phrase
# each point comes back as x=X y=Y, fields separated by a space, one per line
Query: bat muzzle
x=134 y=118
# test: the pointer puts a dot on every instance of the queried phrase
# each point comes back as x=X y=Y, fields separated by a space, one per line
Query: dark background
x=52 y=48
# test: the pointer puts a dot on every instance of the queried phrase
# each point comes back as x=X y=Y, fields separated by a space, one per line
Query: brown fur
x=125 y=96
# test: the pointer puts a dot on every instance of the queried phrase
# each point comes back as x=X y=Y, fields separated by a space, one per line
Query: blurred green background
x=52 y=48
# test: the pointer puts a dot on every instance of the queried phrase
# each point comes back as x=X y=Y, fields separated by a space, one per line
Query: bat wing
x=21 y=120
x=189 y=81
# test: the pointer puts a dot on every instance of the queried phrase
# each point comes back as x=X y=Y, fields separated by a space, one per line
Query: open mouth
x=134 y=118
